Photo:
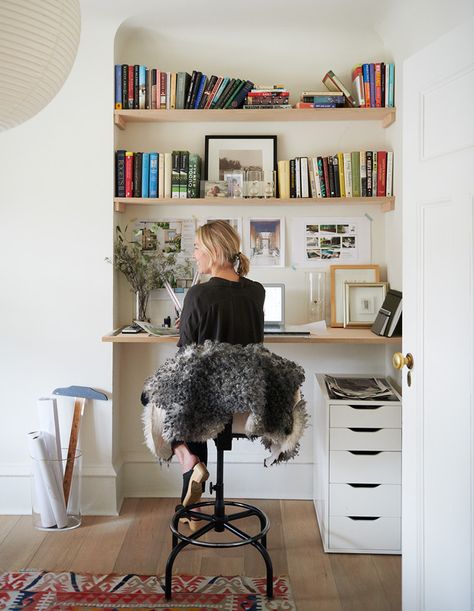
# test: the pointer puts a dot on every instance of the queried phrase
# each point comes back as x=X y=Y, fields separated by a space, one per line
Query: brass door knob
x=399 y=361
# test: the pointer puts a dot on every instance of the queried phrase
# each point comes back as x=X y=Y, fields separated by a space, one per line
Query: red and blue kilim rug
x=43 y=591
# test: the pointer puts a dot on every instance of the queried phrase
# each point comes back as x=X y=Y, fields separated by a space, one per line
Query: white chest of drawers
x=357 y=475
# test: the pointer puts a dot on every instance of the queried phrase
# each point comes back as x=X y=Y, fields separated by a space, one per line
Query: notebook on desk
x=274 y=311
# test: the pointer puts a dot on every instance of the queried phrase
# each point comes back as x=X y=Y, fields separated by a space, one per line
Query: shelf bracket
x=119 y=121
x=389 y=118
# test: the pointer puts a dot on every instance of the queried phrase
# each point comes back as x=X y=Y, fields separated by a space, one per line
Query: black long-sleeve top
x=223 y=310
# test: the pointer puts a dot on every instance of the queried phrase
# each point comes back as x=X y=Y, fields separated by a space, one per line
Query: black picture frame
x=213 y=144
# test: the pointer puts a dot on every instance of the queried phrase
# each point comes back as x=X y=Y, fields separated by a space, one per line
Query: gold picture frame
x=362 y=301
x=350 y=273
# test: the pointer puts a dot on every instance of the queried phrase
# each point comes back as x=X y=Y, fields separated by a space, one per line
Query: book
x=118 y=86
x=153 y=88
x=304 y=177
x=378 y=85
x=200 y=91
x=368 y=166
x=162 y=88
x=332 y=187
x=335 y=165
x=326 y=176
x=137 y=175
x=333 y=83
x=213 y=92
x=158 y=331
x=207 y=90
x=355 y=167
x=125 y=86
x=224 y=93
x=269 y=107
x=317 y=177
x=348 y=174
x=120 y=173
x=218 y=93
x=195 y=90
x=358 y=85
x=374 y=173
x=342 y=180
x=141 y=87
x=136 y=86
x=194 y=175
x=147 y=88
x=381 y=172
x=128 y=174
x=153 y=180
x=372 y=84
x=388 y=321
x=192 y=86
x=168 y=90
x=131 y=87
x=233 y=92
x=284 y=179
x=239 y=98
x=145 y=175
x=297 y=177
x=161 y=175
x=387 y=78
x=292 y=178
x=382 y=86
x=321 y=177
x=363 y=174
x=173 y=77
x=183 y=174
x=324 y=99
x=366 y=81
x=389 y=181
x=167 y=175
x=175 y=164
x=391 y=85
x=182 y=86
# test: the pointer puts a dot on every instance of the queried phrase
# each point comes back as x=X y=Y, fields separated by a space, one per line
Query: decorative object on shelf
x=362 y=301
x=316 y=296
x=38 y=46
x=351 y=273
x=215 y=188
x=224 y=154
x=235 y=183
x=265 y=238
x=253 y=183
x=145 y=270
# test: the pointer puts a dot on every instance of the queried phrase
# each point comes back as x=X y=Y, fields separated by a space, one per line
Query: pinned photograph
x=266 y=242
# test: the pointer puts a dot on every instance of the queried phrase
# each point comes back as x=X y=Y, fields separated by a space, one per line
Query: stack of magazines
x=360 y=389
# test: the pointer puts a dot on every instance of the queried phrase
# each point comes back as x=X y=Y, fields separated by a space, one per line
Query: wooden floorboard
x=139 y=541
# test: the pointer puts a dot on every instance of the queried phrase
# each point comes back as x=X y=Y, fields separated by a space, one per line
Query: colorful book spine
x=355 y=167
x=120 y=173
x=162 y=90
x=136 y=86
x=194 y=175
x=175 y=164
x=374 y=173
x=168 y=90
x=368 y=165
x=378 y=85
x=142 y=88
x=153 y=187
x=366 y=80
x=321 y=177
x=124 y=86
x=381 y=173
x=118 y=86
x=161 y=175
x=200 y=91
x=298 y=177
x=317 y=177
x=195 y=89
x=337 y=186
x=219 y=92
x=372 y=85
x=342 y=181
x=137 y=174
x=363 y=174
x=146 y=175
x=147 y=88
x=213 y=92
x=183 y=174
x=292 y=178
x=391 y=85
x=389 y=182
x=348 y=174
x=128 y=174
x=211 y=81
x=153 y=88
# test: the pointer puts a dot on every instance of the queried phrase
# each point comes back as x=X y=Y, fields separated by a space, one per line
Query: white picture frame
x=265 y=242
x=350 y=273
x=223 y=154
x=362 y=301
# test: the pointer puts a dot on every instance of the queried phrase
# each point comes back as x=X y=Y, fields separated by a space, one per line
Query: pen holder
x=49 y=510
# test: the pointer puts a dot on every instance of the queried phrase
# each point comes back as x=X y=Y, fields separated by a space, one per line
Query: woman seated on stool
x=228 y=308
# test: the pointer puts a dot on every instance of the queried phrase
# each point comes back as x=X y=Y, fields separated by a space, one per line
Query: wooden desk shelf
x=334 y=336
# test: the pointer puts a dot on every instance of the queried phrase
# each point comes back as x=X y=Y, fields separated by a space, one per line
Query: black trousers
x=199 y=448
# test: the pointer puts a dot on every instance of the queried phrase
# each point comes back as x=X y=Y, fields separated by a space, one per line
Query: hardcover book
x=239 y=98
x=167 y=175
x=381 y=172
x=141 y=87
x=118 y=86
x=348 y=174
x=355 y=166
x=125 y=86
x=183 y=174
x=322 y=177
x=218 y=93
x=137 y=175
x=335 y=165
x=146 y=175
x=342 y=182
x=120 y=173
x=284 y=179
x=368 y=165
x=183 y=80
x=128 y=174
x=389 y=187
x=175 y=162
x=333 y=83
x=153 y=185
x=136 y=86
x=194 y=175
x=366 y=80
x=199 y=91
x=363 y=174
x=131 y=89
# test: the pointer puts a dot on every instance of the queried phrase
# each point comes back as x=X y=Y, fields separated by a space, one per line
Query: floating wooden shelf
x=333 y=336
x=386 y=203
x=385 y=115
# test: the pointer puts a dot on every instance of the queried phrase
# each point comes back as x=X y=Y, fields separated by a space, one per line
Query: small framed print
x=215 y=188
x=362 y=301
x=265 y=242
x=226 y=154
x=347 y=273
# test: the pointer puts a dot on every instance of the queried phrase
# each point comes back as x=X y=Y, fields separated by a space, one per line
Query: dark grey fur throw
x=194 y=394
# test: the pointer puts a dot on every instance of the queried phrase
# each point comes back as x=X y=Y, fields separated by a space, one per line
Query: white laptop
x=274 y=311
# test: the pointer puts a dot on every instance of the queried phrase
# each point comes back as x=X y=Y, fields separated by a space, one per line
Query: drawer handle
x=366 y=518
x=361 y=430
x=364 y=485
x=365 y=452
x=365 y=406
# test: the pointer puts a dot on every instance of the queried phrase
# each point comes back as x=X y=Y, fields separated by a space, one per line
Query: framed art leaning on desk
x=347 y=273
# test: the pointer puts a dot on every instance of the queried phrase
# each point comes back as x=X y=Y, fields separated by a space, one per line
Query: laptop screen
x=274 y=306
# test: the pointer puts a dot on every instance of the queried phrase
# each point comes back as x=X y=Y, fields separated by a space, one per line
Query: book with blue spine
x=118 y=87
x=153 y=171
x=391 y=85
x=145 y=175
x=200 y=91
x=141 y=87
x=239 y=98
x=222 y=86
x=372 y=85
x=366 y=83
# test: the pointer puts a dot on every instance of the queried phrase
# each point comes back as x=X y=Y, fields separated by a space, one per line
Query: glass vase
x=141 y=303
x=316 y=291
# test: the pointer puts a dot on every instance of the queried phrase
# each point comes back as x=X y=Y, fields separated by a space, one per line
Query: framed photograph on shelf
x=347 y=273
x=226 y=154
x=362 y=301
x=265 y=242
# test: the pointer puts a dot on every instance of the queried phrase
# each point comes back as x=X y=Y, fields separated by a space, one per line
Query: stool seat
x=219 y=521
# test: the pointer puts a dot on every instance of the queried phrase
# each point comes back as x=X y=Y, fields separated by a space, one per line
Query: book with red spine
x=124 y=86
x=381 y=173
x=326 y=177
x=213 y=92
x=378 y=85
x=130 y=87
x=128 y=174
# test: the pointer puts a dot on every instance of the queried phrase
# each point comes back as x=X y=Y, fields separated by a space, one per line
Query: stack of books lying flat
x=268 y=96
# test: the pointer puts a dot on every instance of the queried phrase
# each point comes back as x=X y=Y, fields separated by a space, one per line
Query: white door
x=438 y=415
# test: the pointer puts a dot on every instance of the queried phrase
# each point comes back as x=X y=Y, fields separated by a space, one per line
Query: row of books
x=268 y=96
x=166 y=175
x=140 y=87
x=354 y=174
x=374 y=85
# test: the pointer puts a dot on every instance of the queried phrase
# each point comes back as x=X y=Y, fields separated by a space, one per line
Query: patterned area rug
x=42 y=591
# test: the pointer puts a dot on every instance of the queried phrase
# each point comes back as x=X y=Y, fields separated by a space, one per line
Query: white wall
x=56 y=199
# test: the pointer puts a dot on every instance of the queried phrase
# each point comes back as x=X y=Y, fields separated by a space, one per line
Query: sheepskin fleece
x=194 y=394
